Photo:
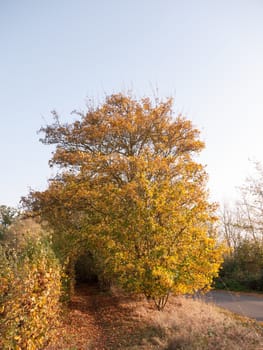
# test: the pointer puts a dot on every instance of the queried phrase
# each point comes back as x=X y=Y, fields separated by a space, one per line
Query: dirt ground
x=98 y=321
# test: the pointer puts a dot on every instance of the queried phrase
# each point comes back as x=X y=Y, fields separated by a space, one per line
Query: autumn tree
x=129 y=189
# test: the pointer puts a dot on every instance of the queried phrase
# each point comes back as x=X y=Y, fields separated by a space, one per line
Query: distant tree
x=231 y=226
x=242 y=229
x=251 y=204
x=131 y=191
x=245 y=219
x=7 y=218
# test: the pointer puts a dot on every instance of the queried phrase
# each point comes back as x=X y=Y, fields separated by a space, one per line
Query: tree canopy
x=129 y=189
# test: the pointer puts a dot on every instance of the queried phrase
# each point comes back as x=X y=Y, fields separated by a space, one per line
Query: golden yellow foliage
x=29 y=297
x=131 y=192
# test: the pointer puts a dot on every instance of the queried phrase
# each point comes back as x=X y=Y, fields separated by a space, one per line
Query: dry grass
x=99 y=321
x=194 y=325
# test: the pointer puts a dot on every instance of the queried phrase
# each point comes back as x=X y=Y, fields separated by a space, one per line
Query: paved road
x=245 y=304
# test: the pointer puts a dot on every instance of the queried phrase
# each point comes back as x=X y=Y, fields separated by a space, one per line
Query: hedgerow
x=30 y=291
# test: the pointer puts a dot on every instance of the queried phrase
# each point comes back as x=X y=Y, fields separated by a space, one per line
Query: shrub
x=243 y=269
x=30 y=290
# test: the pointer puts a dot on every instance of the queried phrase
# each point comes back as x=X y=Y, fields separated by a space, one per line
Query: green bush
x=243 y=269
x=30 y=290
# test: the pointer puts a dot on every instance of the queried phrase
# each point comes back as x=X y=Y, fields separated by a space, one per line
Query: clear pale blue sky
x=55 y=54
